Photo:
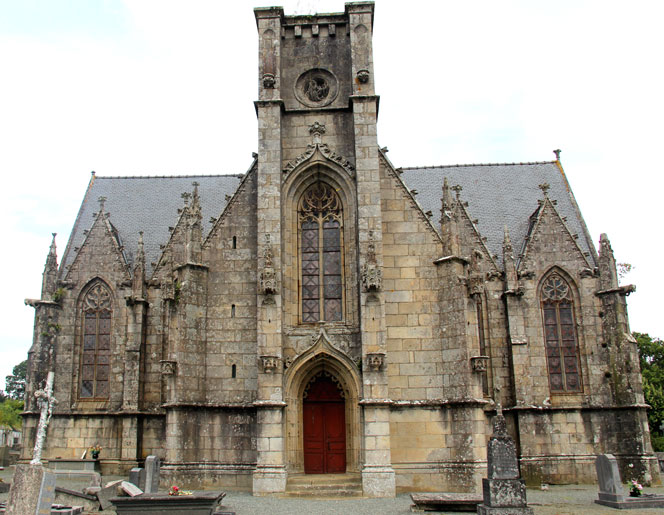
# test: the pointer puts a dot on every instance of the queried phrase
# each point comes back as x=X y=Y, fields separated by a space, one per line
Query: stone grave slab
x=203 y=503
x=445 y=502
x=130 y=489
x=32 y=491
x=68 y=497
x=107 y=493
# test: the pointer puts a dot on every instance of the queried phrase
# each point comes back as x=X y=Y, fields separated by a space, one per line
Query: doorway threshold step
x=324 y=485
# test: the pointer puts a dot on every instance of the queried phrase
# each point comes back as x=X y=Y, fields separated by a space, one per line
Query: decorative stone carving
x=268 y=274
x=480 y=363
x=375 y=360
x=372 y=275
x=317 y=130
x=168 y=367
x=268 y=81
x=363 y=76
x=316 y=88
x=475 y=277
x=327 y=152
x=269 y=363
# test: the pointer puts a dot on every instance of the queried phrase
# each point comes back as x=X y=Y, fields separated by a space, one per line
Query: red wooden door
x=324 y=418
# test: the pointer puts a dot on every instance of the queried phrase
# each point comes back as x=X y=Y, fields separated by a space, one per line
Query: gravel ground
x=557 y=500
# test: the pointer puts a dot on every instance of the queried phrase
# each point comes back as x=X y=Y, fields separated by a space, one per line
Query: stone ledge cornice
x=208 y=405
x=573 y=407
x=449 y=259
x=200 y=266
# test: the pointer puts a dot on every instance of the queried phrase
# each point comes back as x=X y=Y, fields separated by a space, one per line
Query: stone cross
x=45 y=401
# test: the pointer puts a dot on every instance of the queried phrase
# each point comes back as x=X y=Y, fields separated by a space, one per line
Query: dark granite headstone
x=504 y=493
x=152 y=466
x=32 y=491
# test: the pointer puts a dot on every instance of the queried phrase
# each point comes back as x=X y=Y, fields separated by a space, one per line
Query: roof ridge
x=479 y=164
x=236 y=175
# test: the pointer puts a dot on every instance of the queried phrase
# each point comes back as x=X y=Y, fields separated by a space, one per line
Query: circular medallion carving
x=316 y=88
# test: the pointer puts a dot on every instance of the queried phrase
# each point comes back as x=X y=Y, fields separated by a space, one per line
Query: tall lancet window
x=96 y=351
x=560 y=335
x=321 y=254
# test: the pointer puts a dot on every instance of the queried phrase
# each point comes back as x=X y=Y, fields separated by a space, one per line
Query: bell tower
x=317 y=112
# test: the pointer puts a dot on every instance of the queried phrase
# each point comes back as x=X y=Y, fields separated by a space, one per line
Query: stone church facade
x=328 y=312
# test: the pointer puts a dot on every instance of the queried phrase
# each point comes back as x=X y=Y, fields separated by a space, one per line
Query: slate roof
x=500 y=195
x=497 y=195
x=147 y=204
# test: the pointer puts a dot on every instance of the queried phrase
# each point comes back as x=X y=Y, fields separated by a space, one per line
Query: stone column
x=377 y=473
x=270 y=474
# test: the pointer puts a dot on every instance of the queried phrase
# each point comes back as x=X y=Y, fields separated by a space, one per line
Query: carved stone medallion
x=316 y=88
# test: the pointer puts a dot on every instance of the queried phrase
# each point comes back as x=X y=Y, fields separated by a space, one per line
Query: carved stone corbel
x=168 y=367
x=375 y=360
x=269 y=363
x=479 y=363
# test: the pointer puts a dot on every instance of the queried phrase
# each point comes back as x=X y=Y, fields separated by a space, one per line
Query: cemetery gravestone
x=137 y=476
x=33 y=491
x=504 y=492
x=152 y=466
x=608 y=476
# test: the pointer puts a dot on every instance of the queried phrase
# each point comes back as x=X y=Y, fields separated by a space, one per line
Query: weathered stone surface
x=32 y=491
x=202 y=503
x=152 y=466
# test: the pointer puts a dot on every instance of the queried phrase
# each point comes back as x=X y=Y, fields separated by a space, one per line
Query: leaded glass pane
x=96 y=345
x=86 y=388
x=320 y=217
x=560 y=335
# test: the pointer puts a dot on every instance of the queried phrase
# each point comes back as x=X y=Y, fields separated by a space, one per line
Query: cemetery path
x=557 y=500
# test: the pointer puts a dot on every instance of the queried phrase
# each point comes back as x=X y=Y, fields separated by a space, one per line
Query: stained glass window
x=560 y=335
x=96 y=351
x=321 y=257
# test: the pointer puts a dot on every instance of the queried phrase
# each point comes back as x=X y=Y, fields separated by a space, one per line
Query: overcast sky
x=167 y=88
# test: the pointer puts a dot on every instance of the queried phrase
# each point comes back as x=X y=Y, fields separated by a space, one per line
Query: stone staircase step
x=324 y=485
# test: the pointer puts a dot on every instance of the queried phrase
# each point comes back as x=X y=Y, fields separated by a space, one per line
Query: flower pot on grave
x=94 y=454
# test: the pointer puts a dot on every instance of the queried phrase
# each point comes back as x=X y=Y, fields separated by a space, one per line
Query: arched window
x=96 y=350
x=321 y=257
x=560 y=334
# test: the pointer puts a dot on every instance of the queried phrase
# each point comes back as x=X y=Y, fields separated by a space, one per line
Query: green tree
x=15 y=383
x=651 y=354
x=10 y=413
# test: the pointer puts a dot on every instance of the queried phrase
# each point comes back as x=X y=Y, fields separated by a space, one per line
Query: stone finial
x=509 y=264
x=447 y=197
x=608 y=273
x=545 y=186
x=49 y=278
x=102 y=200
x=139 y=269
x=457 y=189
x=317 y=130
x=557 y=153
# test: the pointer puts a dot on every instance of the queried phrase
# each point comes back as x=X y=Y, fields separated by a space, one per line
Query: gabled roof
x=500 y=195
x=147 y=204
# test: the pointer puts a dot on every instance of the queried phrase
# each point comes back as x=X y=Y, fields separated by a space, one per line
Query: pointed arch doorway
x=324 y=426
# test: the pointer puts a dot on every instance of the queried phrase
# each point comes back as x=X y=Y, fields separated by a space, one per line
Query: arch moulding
x=322 y=356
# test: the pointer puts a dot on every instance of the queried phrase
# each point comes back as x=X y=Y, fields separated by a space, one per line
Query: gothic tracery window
x=96 y=349
x=320 y=218
x=560 y=335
